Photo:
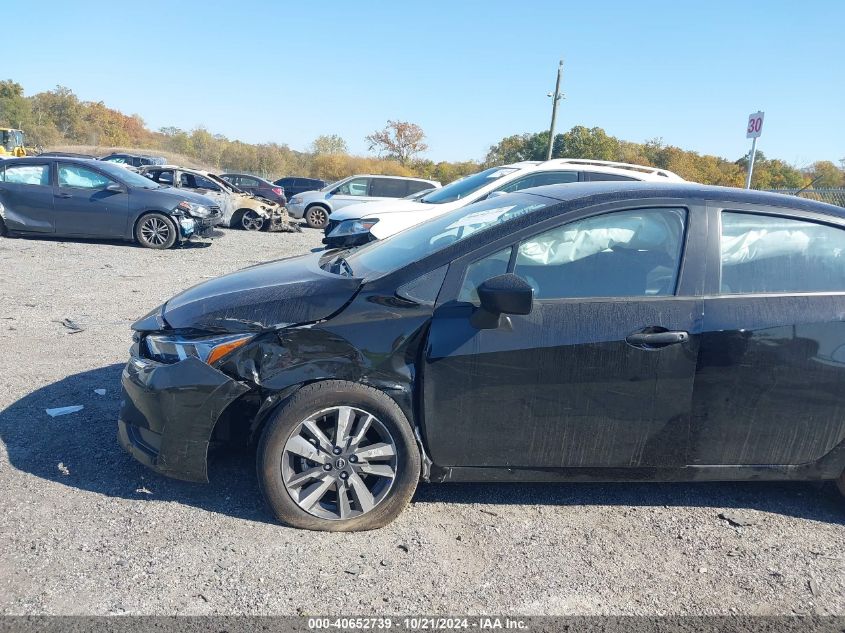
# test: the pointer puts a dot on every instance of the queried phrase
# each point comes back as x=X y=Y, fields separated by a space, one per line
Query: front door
x=83 y=205
x=599 y=374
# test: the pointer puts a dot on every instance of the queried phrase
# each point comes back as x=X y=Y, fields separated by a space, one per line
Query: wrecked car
x=72 y=197
x=240 y=209
x=599 y=331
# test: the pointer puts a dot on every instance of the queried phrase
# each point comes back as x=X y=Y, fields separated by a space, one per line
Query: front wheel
x=317 y=217
x=338 y=457
x=251 y=221
x=155 y=230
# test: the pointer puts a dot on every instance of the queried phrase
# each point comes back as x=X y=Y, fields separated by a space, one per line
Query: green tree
x=328 y=144
x=15 y=110
x=826 y=175
x=591 y=143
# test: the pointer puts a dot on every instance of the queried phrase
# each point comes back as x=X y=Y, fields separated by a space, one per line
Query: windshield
x=466 y=186
x=332 y=185
x=422 y=240
x=6 y=140
x=127 y=176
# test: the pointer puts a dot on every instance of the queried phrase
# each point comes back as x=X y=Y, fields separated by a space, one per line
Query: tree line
x=58 y=117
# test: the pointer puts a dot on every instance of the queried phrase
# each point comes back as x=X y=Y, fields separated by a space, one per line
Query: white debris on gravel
x=54 y=413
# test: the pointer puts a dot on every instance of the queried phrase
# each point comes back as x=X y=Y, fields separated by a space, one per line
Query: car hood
x=270 y=295
x=180 y=194
x=372 y=209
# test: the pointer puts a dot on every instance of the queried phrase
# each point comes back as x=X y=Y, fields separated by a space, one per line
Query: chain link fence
x=831 y=196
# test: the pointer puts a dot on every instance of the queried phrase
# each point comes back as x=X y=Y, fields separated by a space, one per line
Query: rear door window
x=389 y=188
x=163 y=177
x=594 y=176
x=416 y=185
x=539 y=179
x=27 y=174
x=772 y=254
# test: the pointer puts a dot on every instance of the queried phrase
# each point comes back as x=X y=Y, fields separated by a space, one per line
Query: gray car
x=69 y=197
x=316 y=206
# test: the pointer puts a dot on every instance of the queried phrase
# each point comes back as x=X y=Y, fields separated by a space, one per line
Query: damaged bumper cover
x=168 y=413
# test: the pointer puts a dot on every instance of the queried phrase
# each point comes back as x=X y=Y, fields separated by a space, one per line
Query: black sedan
x=69 y=197
x=595 y=331
x=258 y=187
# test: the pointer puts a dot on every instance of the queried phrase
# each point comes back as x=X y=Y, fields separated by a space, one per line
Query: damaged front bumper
x=168 y=413
x=191 y=228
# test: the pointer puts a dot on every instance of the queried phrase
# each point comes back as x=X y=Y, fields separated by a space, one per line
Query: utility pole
x=557 y=96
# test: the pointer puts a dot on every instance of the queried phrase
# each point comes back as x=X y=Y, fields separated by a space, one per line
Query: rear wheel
x=317 y=217
x=251 y=221
x=155 y=230
x=840 y=483
x=338 y=457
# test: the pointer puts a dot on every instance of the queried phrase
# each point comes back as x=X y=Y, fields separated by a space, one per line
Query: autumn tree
x=399 y=140
x=826 y=175
x=328 y=144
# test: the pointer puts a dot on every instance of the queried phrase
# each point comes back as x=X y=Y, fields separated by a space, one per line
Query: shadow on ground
x=193 y=244
x=86 y=444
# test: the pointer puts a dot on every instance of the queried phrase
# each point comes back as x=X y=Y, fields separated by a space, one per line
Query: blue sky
x=469 y=72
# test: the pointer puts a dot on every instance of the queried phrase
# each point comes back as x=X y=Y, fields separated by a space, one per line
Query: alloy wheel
x=155 y=231
x=251 y=221
x=339 y=463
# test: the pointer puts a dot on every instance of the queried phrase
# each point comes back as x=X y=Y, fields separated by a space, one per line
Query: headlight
x=353 y=227
x=196 y=210
x=168 y=348
x=295 y=200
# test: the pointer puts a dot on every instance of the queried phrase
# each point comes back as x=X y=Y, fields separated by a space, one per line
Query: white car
x=361 y=223
x=317 y=206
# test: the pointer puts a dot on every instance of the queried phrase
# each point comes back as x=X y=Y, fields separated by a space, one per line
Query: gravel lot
x=86 y=530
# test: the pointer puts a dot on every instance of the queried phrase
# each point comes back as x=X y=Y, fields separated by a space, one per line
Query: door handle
x=62 y=195
x=657 y=339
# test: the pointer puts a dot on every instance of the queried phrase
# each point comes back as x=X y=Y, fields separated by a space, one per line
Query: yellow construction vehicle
x=11 y=143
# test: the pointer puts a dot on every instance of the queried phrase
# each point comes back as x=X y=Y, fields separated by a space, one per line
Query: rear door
x=84 y=206
x=26 y=195
x=599 y=374
x=769 y=388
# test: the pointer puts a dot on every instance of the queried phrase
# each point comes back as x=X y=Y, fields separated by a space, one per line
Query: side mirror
x=114 y=187
x=504 y=294
x=496 y=194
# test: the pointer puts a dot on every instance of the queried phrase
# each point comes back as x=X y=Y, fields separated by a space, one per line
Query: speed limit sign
x=755 y=125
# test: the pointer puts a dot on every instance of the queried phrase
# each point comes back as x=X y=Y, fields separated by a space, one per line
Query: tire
x=155 y=230
x=251 y=221
x=317 y=216
x=306 y=493
x=840 y=483
x=3 y=231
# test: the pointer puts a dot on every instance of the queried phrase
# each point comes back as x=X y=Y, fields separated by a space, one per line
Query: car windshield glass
x=331 y=185
x=127 y=176
x=466 y=186
x=422 y=240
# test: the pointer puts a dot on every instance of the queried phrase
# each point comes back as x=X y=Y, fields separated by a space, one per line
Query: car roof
x=609 y=191
x=386 y=176
x=643 y=172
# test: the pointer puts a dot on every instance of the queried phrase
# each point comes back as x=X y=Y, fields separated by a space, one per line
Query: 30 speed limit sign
x=755 y=125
